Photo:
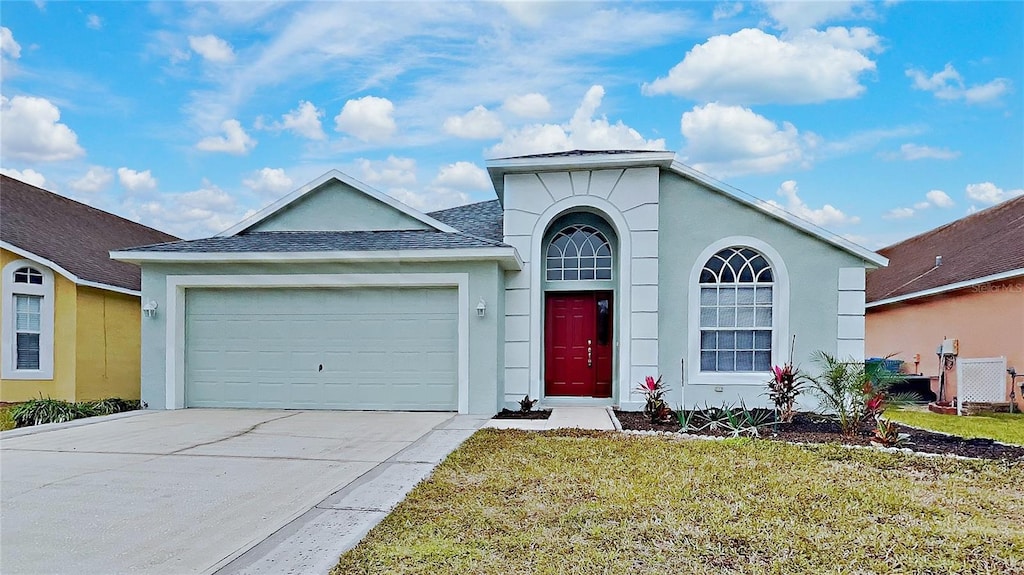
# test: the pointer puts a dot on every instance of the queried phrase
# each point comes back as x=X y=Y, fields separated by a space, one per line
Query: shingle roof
x=70 y=234
x=483 y=219
x=324 y=242
x=577 y=153
x=982 y=244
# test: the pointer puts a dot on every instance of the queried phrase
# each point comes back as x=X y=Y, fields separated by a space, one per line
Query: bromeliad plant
x=786 y=384
x=887 y=434
x=526 y=404
x=655 y=407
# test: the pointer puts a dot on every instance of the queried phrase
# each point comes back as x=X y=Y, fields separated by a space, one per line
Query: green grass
x=1004 y=427
x=512 y=502
x=6 y=419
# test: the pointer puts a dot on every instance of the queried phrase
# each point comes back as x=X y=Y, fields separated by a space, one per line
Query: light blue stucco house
x=591 y=271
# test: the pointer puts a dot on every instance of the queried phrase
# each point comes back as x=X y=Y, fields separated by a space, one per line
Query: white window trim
x=175 y=297
x=9 y=368
x=780 y=315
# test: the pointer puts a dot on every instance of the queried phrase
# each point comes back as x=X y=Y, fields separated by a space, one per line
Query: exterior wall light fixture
x=149 y=308
x=481 y=308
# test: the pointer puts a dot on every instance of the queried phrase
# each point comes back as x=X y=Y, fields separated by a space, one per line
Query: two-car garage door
x=352 y=348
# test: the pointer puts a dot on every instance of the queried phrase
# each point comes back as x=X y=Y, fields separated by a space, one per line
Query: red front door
x=578 y=344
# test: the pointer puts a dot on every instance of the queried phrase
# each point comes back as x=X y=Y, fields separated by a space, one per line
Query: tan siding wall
x=108 y=345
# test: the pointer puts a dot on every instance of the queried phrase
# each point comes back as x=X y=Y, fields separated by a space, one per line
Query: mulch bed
x=534 y=414
x=811 y=428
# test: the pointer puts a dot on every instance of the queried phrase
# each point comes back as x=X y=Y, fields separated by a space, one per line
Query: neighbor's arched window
x=579 y=252
x=28 y=321
x=736 y=311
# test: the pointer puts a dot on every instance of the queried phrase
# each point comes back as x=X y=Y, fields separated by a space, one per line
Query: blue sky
x=876 y=121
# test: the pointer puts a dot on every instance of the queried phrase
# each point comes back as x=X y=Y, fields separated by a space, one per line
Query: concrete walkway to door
x=191 y=491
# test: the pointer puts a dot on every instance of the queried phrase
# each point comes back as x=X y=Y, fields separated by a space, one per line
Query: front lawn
x=6 y=418
x=1004 y=427
x=510 y=502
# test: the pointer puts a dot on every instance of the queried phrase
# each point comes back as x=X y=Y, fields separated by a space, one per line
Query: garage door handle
x=590 y=355
x=321 y=367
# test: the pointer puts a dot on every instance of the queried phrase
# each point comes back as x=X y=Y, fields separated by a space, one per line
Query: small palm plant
x=853 y=392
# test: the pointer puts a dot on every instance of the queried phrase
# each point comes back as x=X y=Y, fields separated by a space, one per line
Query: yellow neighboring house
x=70 y=318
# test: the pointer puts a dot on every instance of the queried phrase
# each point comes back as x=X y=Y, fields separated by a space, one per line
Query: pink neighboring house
x=975 y=294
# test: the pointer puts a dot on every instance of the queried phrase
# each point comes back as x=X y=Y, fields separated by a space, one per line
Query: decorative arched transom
x=27 y=275
x=736 y=297
x=579 y=252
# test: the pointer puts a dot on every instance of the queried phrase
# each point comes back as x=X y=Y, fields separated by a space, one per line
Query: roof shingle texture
x=982 y=244
x=70 y=234
x=480 y=226
x=324 y=242
x=483 y=219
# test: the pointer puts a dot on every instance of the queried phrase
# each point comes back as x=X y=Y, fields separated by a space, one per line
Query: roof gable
x=71 y=238
x=603 y=159
x=982 y=246
x=336 y=202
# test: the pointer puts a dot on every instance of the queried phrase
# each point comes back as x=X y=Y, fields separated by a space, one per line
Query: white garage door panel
x=379 y=348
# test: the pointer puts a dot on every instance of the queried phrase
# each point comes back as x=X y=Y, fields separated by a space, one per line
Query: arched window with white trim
x=736 y=299
x=579 y=252
x=28 y=321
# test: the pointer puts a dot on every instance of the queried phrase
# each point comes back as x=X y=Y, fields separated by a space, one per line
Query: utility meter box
x=949 y=347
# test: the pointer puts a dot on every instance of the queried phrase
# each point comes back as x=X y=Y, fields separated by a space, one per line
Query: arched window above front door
x=579 y=252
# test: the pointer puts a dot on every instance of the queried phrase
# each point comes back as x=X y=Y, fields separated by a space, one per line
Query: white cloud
x=532 y=105
x=727 y=10
x=392 y=172
x=136 y=181
x=478 y=124
x=93 y=21
x=234 y=141
x=304 y=121
x=800 y=15
x=371 y=119
x=28 y=175
x=939 y=199
x=989 y=193
x=463 y=176
x=948 y=84
x=269 y=181
x=451 y=187
x=429 y=200
x=9 y=48
x=936 y=198
x=911 y=152
x=730 y=140
x=97 y=178
x=898 y=214
x=32 y=131
x=198 y=213
x=212 y=48
x=751 y=66
x=826 y=215
x=583 y=131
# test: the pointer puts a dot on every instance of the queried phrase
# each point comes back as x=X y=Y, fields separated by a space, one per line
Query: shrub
x=655 y=406
x=40 y=411
x=114 y=405
x=786 y=384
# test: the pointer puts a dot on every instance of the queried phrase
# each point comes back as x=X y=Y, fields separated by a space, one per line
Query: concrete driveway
x=190 y=491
